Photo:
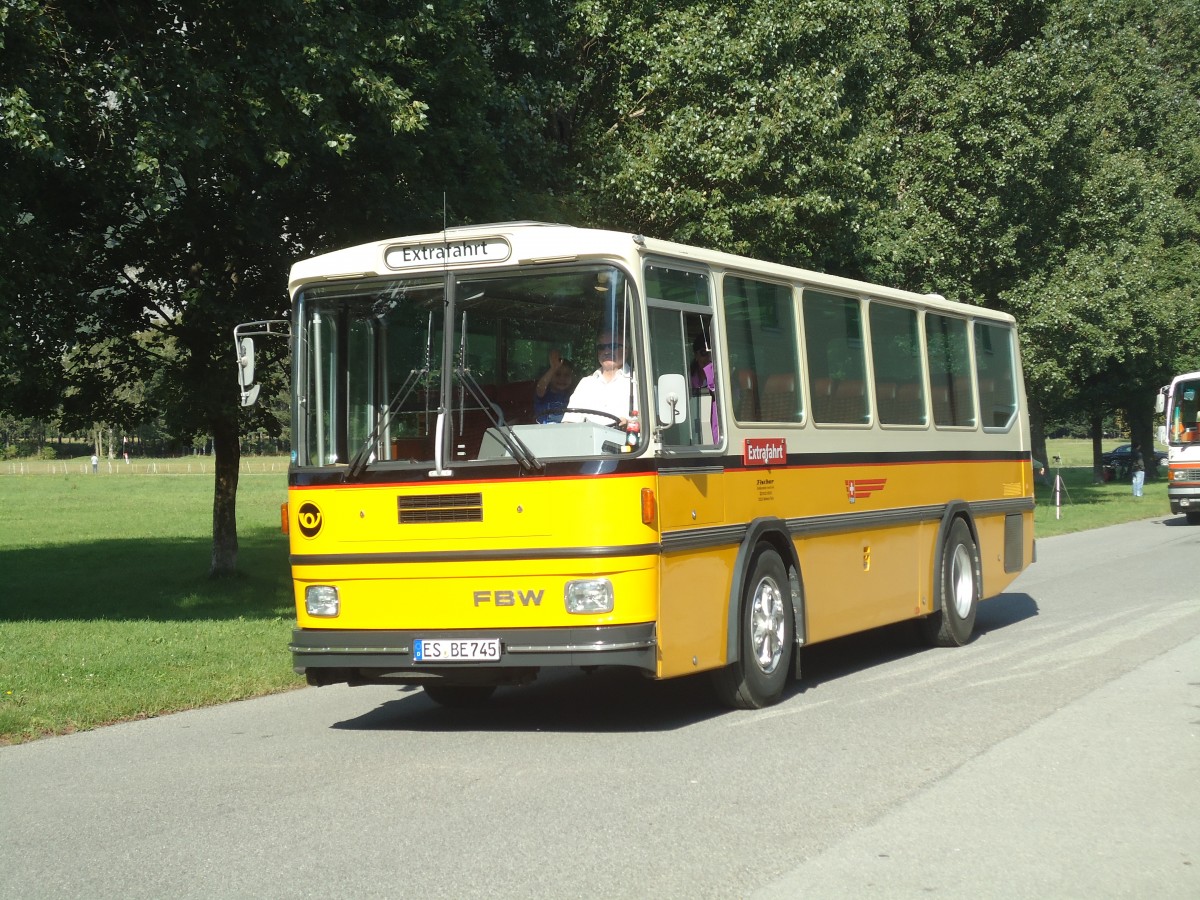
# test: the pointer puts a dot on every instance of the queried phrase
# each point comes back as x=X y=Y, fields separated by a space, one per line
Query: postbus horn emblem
x=308 y=518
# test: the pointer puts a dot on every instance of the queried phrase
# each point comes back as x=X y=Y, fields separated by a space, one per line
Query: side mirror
x=245 y=361
x=245 y=354
x=1160 y=400
x=672 y=400
x=243 y=346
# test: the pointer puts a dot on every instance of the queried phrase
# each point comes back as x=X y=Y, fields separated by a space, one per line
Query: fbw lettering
x=509 y=598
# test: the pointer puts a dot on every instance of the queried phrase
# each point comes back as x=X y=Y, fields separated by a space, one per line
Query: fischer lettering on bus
x=764 y=451
x=414 y=255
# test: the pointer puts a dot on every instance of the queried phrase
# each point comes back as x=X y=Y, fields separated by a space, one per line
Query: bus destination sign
x=411 y=256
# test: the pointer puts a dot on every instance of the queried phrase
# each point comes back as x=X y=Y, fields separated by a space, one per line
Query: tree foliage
x=167 y=161
x=741 y=126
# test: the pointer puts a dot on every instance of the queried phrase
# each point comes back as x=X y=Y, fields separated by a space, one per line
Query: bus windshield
x=458 y=368
x=1184 y=422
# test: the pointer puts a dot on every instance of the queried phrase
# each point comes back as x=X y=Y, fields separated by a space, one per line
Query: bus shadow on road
x=569 y=701
x=623 y=700
x=844 y=657
x=1004 y=610
x=1179 y=521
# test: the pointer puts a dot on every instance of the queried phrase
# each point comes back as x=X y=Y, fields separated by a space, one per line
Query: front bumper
x=331 y=656
x=1184 y=499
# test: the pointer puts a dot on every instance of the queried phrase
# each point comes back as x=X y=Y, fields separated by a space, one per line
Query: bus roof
x=531 y=243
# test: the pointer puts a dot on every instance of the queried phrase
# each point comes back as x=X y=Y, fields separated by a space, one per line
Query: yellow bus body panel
x=515 y=562
x=506 y=571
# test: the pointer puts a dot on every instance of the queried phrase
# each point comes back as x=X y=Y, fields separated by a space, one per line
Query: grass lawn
x=109 y=613
x=1085 y=504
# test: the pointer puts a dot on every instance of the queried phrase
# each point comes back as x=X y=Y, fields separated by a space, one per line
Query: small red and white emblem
x=863 y=487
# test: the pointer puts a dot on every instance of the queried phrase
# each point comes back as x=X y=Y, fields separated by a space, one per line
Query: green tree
x=165 y=162
x=745 y=127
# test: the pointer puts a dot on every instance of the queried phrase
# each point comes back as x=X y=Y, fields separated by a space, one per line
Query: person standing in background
x=1139 y=468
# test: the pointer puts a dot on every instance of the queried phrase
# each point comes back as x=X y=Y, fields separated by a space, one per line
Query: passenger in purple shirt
x=702 y=376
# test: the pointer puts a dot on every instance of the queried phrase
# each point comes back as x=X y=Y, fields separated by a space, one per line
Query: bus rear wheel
x=459 y=695
x=766 y=640
x=959 y=590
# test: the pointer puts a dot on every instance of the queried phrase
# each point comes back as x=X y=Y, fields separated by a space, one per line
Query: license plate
x=446 y=650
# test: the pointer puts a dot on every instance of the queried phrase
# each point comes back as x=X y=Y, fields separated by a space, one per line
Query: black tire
x=458 y=696
x=1193 y=518
x=767 y=638
x=958 y=592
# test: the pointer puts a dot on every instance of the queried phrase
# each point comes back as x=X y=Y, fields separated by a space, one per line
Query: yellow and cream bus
x=841 y=457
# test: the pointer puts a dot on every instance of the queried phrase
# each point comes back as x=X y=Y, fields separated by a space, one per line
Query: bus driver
x=607 y=390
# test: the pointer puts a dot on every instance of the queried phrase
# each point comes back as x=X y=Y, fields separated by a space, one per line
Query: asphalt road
x=1057 y=755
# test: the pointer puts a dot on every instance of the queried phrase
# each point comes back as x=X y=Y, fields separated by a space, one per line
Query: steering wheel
x=616 y=420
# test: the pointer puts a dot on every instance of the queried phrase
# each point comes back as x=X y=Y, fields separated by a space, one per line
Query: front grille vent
x=432 y=508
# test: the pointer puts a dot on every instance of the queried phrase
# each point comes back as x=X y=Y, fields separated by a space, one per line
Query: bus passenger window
x=995 y=366
x=833 y=342
x=950 y=376
x=760 y=325
x=896 y=360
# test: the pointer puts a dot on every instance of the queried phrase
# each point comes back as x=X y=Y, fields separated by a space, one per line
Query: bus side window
x=995 y=367
x=682 y=342
x=833 y=342
x=896 y=363
x=760 y=331
x=950 y=374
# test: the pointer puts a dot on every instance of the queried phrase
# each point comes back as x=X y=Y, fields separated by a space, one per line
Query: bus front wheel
x=766 y=641
x=959 y=590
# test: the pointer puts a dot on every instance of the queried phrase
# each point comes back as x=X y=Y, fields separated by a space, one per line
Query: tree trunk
x=1096 y=427
x=1141 y=430
x=227 y=453
x=1037 y=433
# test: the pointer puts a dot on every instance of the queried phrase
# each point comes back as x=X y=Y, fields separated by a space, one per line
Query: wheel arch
x=954 y=510
x=774 y=532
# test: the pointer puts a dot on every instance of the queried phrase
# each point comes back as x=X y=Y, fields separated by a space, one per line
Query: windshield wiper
x=358 y=464
x=518 y=448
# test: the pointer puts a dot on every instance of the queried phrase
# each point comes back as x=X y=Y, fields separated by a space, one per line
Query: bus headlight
x=589 y=597
x=321 y=600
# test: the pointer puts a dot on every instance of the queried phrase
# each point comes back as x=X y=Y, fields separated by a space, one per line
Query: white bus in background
x=1180 y=400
